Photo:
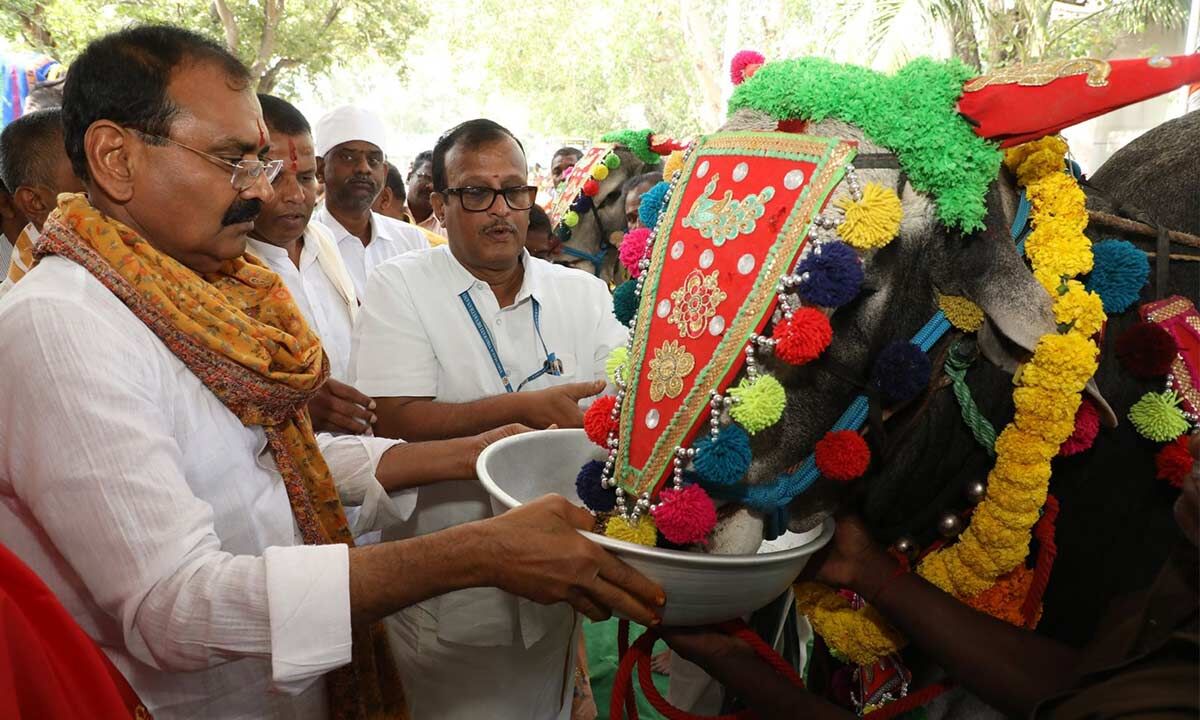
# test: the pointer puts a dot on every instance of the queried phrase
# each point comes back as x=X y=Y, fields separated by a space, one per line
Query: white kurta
x=414 y=338
x=160 y=520
x=317 y=296
x=389 y=238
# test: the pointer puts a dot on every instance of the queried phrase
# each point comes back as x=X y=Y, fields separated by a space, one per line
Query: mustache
x=241 y=211
x=500 y=224
x=364 y=179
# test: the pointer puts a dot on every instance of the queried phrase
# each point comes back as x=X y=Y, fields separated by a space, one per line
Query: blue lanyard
x=552 y=365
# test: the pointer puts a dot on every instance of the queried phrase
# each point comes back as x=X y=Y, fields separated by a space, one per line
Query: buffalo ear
x=988 y=270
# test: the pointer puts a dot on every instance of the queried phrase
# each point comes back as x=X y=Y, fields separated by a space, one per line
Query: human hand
x=705 y=646
x=338 y=407
x=479 y=443
x=852 y=559
x=537 y=553
x=559 y=405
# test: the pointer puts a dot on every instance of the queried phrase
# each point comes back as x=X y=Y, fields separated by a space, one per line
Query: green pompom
x=612 y=160
x=617 y=360
x=625 y=301
x=1157 y=416
x=758 y=404
x=571 y=219
x=638 y=142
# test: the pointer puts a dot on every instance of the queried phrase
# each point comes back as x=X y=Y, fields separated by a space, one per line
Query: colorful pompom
x=612 y=161
x=591 y=188
x=598 y=421
x=1087 y=426
x=830 y=276
x=562 y=232
x=673 y=164
x=616 y=366
x=744 y=64
x=642 y=533
x=652 y=204
x=1157 y=416
x=685 y=516
x=1119 y=272
x=1146 y=350
x=901 y=372
x=842 y=455
x=723 y=461
x=582 y=204
x=587 y=487
x=961 y=312
x=625 y=301
x=873 y=221
x=758 y=403
x=599 y=172
x=633 y=249
x=802 y=337
x=1174 y=462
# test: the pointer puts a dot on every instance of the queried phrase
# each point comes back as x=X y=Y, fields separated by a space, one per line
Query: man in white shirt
x=12 y=222
x=351 y=142
x=470 y=335
x=303 y=253
x=166 y=483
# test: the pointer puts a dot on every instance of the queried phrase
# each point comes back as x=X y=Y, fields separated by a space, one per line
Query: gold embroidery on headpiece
x=695 y=303
x=1044 y=73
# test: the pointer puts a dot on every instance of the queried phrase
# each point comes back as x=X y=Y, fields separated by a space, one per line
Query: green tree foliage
x=278 y=41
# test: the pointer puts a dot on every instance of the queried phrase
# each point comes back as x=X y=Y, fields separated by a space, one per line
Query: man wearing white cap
x=350 y=142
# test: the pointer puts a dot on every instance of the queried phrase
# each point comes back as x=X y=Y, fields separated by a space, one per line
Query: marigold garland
x=1047 y=397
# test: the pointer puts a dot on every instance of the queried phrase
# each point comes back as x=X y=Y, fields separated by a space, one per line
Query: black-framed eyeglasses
x=245 y=172
x=479 y=199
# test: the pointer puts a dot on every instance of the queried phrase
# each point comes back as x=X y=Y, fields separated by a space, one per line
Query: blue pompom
x=625 y=301
x=582 y=204
x=562 y=232
x=587 y=486
x=1119 y=272
x=901 y=372
x=726 y=460
x=652 y=204
x=831 y=275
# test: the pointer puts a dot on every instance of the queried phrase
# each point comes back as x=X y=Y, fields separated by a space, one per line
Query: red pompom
x=1174 y=462
x=591 y=188
x=802 y=337
x=685 y=516
x=842 y=455
x=744 y=64
x=1087 y=425
x=1146 y=350
x=598 y=421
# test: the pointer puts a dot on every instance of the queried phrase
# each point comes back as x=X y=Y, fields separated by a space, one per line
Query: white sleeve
x=353 y=461
x=609 y=333
x=391 y=355
x=86 y=443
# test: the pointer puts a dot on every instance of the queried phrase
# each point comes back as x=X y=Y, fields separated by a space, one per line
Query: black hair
x=538 y=219
x=471 y=135
x=395 y=183
x=282 y=116
x=28 y=147
x=566 y=150
x=123 y=77
x=425 y=156
x=650 y=178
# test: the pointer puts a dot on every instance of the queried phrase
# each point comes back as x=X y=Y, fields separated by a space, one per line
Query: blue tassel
x=901 y=372
x=1119 y=272
x=587 y=486
x=652 y=204
x=725 y=460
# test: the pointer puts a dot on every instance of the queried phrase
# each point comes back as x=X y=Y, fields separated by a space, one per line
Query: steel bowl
x=700 y=588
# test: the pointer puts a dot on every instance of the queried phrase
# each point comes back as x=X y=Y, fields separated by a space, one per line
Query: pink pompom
x=1087 y=425
x=633 y=249
x=744 y=64
x=685 y=516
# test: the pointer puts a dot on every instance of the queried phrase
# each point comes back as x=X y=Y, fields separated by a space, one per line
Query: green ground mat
x=602 y=661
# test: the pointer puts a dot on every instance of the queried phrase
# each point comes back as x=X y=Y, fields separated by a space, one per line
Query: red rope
x=1044 y=532
x=911 y=701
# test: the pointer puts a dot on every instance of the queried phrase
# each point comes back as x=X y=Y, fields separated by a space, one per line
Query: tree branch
x=228 y=24
x=266 y=84
x=272 y=14
x=331 y=16
x=34 y=30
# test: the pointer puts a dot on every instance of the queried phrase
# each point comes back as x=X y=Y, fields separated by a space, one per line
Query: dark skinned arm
x=410 y=465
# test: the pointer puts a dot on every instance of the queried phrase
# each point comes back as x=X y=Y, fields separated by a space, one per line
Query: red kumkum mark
x=262 y=133
x=292 y=154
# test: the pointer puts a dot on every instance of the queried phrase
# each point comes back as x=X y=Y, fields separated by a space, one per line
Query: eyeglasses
x=245 y=172
x=375 y=160
x=479 y=199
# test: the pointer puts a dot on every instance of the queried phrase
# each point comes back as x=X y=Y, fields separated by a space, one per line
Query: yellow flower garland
x=1047 y=397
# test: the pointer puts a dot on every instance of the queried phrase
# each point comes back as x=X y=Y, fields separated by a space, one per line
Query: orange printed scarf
x=239 y=331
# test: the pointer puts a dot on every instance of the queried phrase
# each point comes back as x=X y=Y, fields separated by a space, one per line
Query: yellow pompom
x=600 y=172
x=615 y=367
x=961 y=312
x=673 y=164
x=643 y=533
x=873 y=221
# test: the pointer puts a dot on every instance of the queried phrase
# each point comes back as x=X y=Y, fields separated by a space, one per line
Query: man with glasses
x=353 y=165
x=169 y=488
x=463 y=338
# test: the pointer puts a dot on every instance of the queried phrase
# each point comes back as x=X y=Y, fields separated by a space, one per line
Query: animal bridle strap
x=597 y=259
x=882 y=161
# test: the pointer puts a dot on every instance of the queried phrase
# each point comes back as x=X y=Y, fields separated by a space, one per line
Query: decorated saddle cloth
x=241 y=334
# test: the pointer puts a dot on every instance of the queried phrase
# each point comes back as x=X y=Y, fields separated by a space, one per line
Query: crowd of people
x=247 y=365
